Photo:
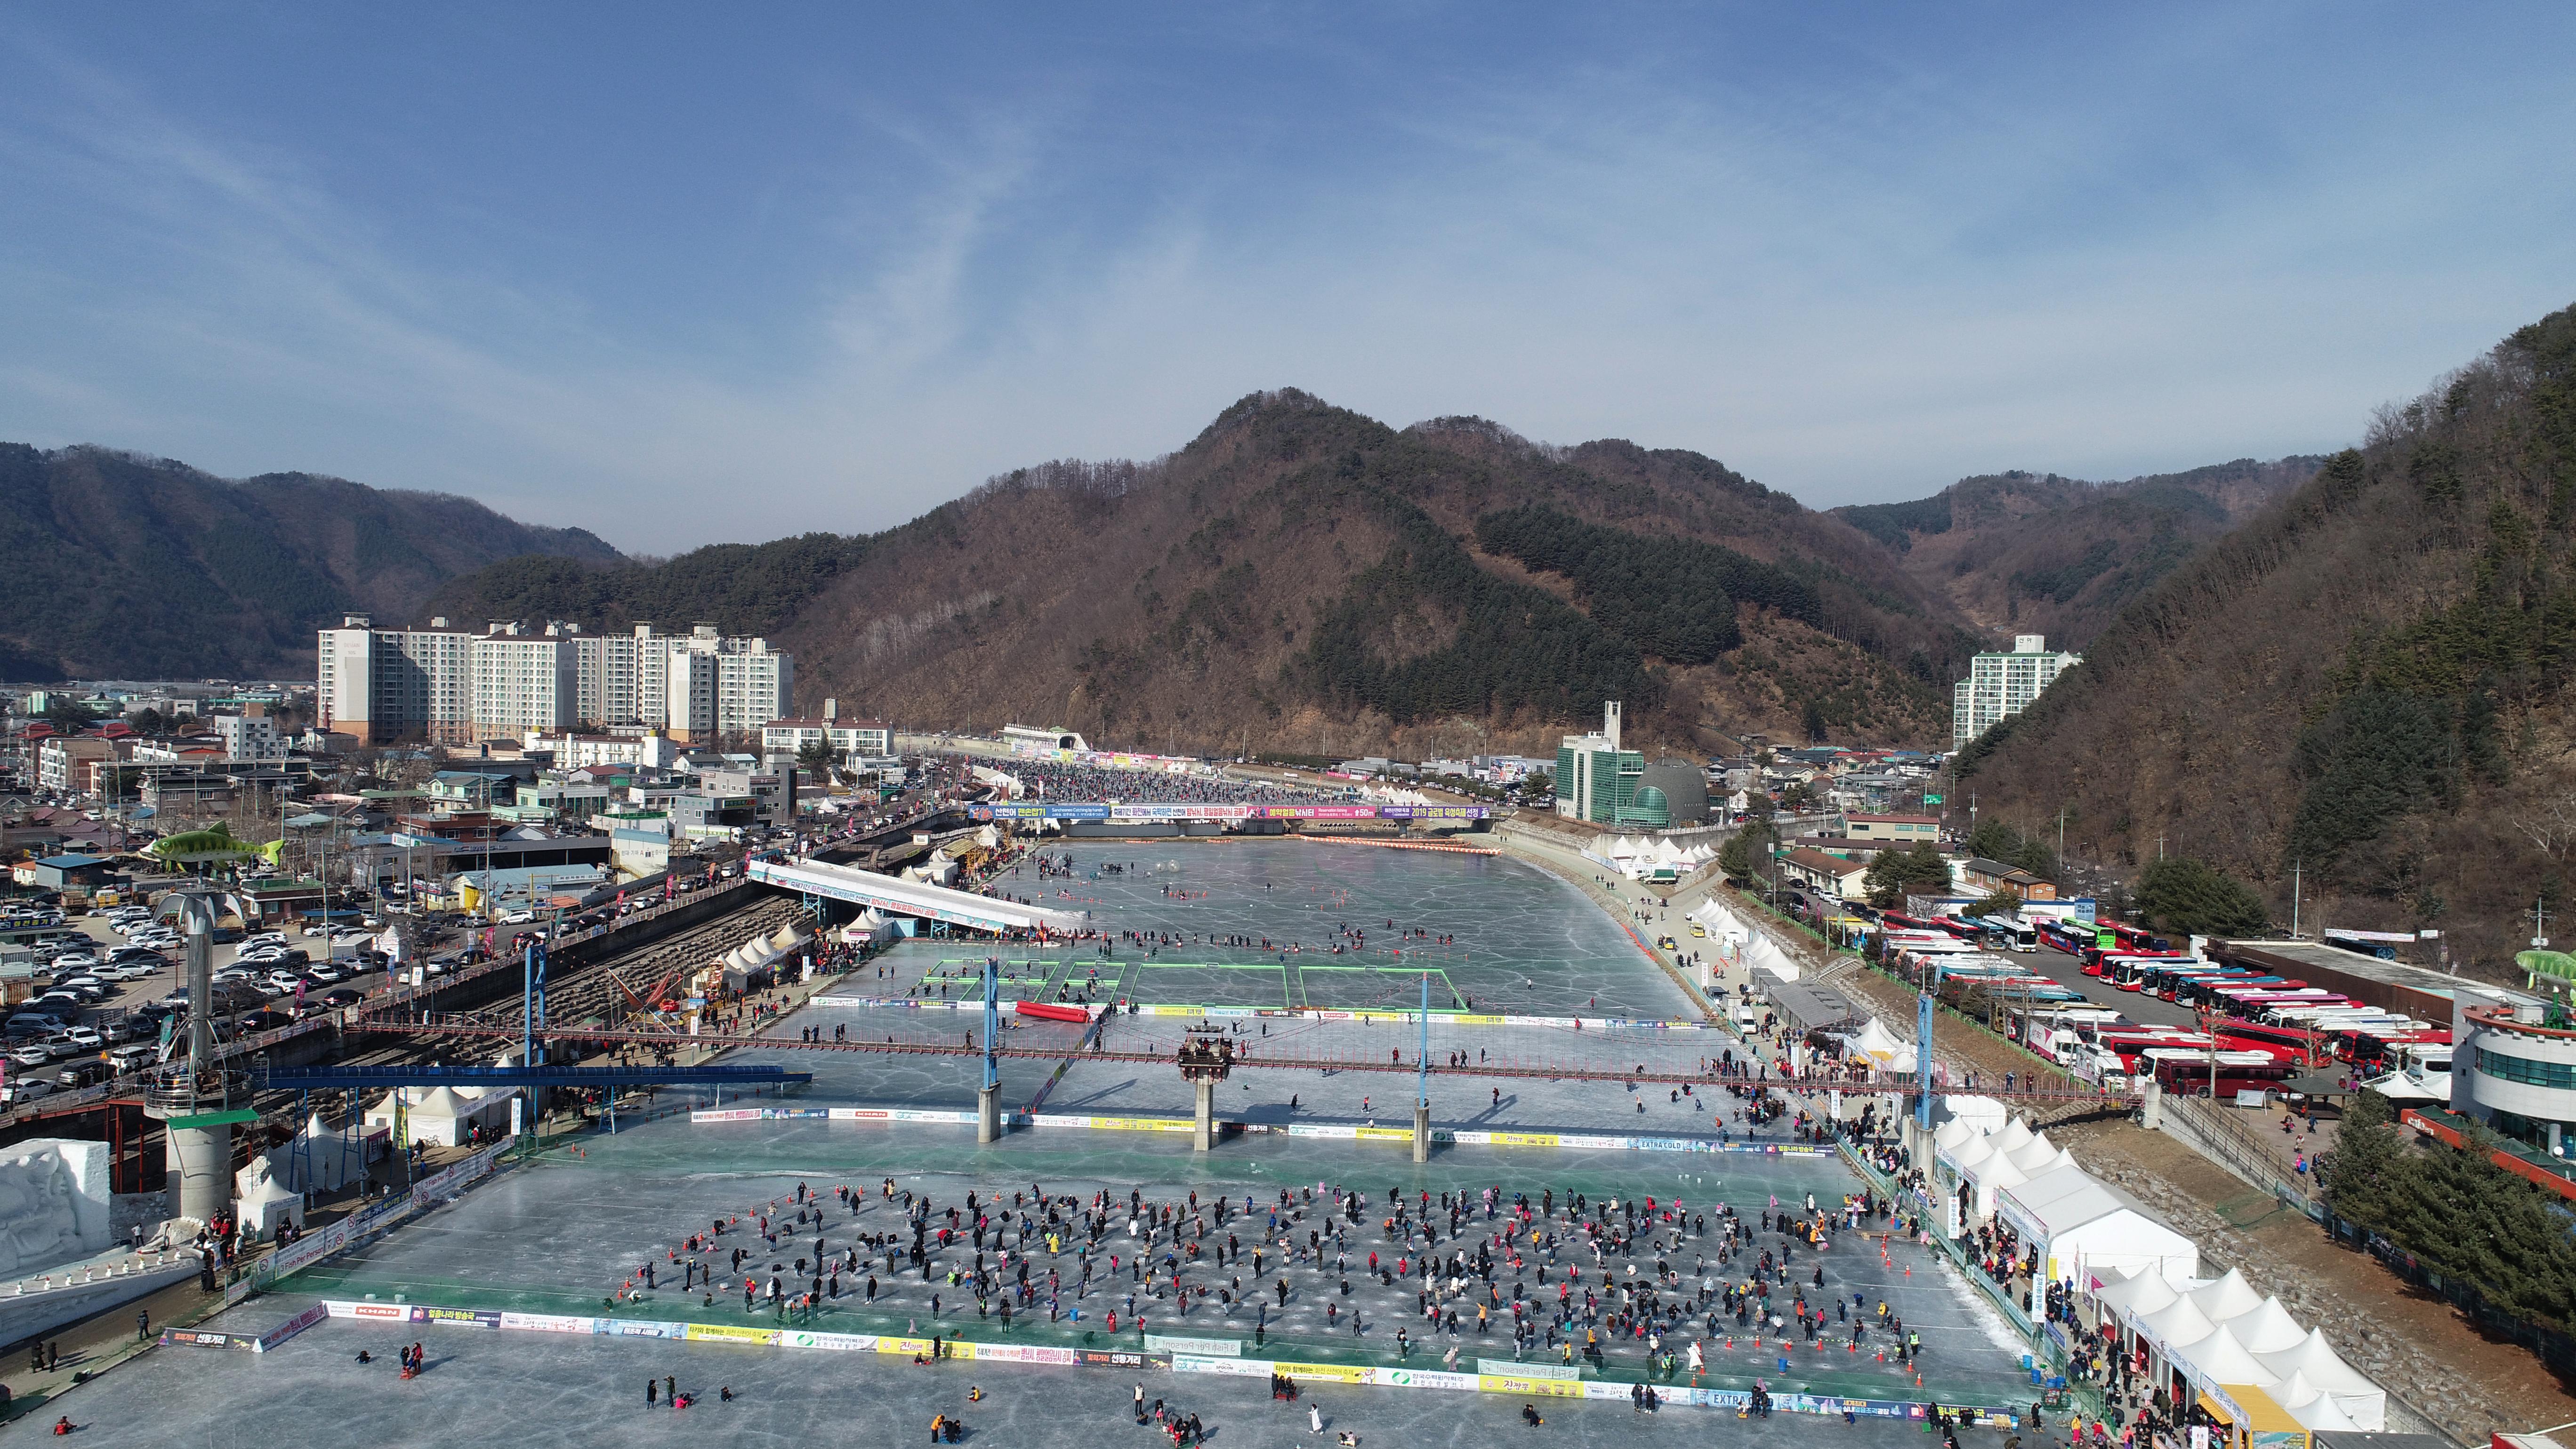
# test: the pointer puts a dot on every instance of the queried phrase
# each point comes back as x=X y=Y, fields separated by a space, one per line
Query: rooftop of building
x=1817 y=860
x=1999 y=869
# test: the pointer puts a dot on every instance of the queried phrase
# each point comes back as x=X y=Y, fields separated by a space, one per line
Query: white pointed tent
x=440 y=1116
x=2140 y=1293
x=323 y=1158
x=2040 y=1155
x=2268 y=1329
x=1992 y=1177
x=263 y=1202
x=2040 y=1164
x=1986 y=1114
x=2217 y=1358
x=2175 y=1327
x=2293 y=1391
x=1886 y=1053
x=2013 y=1134
x=2353 y=1393
x=2325 y=1414
x=1974 y=1155
x=2225 y=1298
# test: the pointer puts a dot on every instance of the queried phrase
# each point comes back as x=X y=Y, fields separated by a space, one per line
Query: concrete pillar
x=2151 y=1107
x=988 y=1114
x=200 y=1161
x=1422 y=1132
x=1203 y=1130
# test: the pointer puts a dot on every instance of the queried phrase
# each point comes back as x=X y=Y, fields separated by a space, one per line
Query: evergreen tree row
x=1672 y=598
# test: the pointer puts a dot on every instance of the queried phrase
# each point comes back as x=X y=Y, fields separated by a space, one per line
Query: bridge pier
x=1421 y=1131
x=988 y=1115
x=1203 y=1129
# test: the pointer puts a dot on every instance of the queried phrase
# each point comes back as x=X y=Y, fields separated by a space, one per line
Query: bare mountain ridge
x=135 y=567
x=1303 y=578
x=2035 y=553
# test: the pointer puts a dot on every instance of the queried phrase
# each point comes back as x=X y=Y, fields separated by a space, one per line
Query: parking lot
x=107 y=981
x=101 y=995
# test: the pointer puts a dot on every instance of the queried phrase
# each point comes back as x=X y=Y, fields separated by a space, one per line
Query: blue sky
x=696 y=274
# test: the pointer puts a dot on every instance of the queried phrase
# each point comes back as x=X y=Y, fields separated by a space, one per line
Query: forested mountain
x=1303 y=578
x=2033 y=553
x=2369 y=681
x=744 y=588
x=123 y=566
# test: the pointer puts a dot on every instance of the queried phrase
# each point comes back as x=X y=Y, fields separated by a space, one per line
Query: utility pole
x=1923 y=1043
x=2205 y=1015
x=988 y=1093
x=1422 y=1080
x=2294 y=898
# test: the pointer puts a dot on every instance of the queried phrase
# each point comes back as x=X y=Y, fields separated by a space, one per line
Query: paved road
x=2139 y=1007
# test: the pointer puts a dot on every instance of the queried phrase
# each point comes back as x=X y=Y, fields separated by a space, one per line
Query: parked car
x=24 y=1089
x=343 y=997
x=133 y=1058
x=82 y=1074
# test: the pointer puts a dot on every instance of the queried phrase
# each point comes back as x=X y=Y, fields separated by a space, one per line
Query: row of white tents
x=2218 y=1335
x=1638 y=856
x=2077 y=1223
x=446 y=1116
x=1734 y=942
x=1878 y=1046
x=762 y=951
x=2223 y=1336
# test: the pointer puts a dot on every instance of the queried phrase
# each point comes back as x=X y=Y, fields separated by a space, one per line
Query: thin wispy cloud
x=700 y=285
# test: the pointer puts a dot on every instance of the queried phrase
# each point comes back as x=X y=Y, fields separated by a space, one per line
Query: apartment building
x=2000 y=685
x=249 y=736
x=380 y=685
x=864 y=738
x=524 y=681
x=457 y=686
x=62 y=762
x=715 y=687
